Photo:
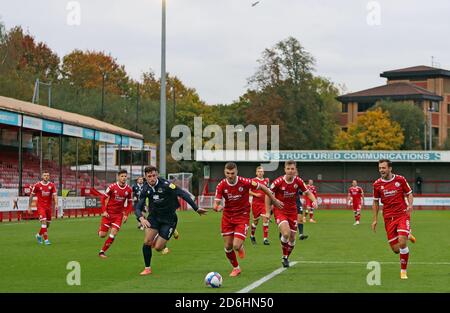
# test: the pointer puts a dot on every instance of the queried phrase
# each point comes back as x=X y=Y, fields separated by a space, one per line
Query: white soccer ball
x=213 y=280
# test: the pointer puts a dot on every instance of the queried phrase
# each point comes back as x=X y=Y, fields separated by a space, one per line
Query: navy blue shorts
x=165 y=227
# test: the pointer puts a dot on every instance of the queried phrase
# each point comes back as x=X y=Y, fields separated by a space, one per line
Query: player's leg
x=240 y=233
x=285 y=231
x=256 y=217
x=403 y=230
x=166 y=230
x=48 y=214
x=105 y=227
x=311 y=215
x=112 y=235
x=230 y=254
x=149 y=236
x=266 y=229
x=300 y=224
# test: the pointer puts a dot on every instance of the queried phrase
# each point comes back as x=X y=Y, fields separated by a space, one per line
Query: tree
x=373 y=131
x=285 y=92
x=411 y=120
x=85 y=70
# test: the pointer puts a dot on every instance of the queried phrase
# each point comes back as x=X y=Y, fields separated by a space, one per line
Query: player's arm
x=311 y=197
x=254 y=194
x=410 y=200
x=218 y=198
x=138 y=210
x=349 y=198
x=128 y=209
x=55 y=201
x=187 y=197
x=271 y=197
x=105 y=201
x=409 y=195
x=362 y=198
x=30 y=201
x=375 y=208
x=218 y=205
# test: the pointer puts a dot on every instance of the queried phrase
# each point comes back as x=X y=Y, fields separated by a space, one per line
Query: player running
x=356 y=200
x=236 y=211
x=137 y=189
x=392 y=189
x=308 y=203
x=45 y=191
x=300 y=223
x=162 y=221
x=286 y=189
x=115 y=209
x=259 y=207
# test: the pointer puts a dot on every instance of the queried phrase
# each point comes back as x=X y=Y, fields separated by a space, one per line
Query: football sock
x=404 y=256
x=147 y=252
x=266 y=230
x=253 y=229
x=231 y=256
x=43 y=231
x=300 y=228
x=108 y=242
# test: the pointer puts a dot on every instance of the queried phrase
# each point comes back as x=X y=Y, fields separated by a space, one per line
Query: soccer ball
x=213 y=280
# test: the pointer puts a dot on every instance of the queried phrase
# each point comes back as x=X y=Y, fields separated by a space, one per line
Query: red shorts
x=356 y=206
x=308 y=203
x=397 y=226
x=45 y=214
x=237 y=227
x=258 y=209
x=286 y=216
x=114 y=221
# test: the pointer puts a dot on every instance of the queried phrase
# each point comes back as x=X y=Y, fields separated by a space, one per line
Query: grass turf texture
x=29 y=267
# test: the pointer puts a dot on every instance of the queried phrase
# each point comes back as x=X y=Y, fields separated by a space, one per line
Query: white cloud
x=213 y=45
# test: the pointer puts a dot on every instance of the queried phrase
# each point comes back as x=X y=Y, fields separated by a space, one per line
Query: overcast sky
x=213 y=45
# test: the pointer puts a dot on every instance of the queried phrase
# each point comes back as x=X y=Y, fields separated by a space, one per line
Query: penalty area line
x=261 y=281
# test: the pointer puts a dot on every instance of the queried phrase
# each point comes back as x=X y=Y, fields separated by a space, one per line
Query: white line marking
x=265 y=278
x=361 y=262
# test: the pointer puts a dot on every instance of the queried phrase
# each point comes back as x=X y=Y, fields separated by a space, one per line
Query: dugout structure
x=29 y=132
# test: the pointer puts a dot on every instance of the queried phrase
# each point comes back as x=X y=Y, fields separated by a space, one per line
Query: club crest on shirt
x=295 y=186
x=160 y=190
x=283 y=188
x=382 y=187
x=241 y=189
x=126 y=193
x=397 y=184
x=225 y=191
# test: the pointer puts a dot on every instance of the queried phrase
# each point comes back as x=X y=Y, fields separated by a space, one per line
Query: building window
x=364 y=106
x=344 y=107
x=434 y=106
x=435 y=131
x=344 y=129
x=448 y=108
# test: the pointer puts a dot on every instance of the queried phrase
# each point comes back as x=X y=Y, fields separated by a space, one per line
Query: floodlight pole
x=162 y=127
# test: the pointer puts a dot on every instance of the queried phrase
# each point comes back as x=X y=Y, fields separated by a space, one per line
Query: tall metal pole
x=20 y=156
x=103 y=92
x=50 y=94
x=162 y=127
x=431 y=129
x=60 y=187
x=137 y=108
x=92 y=163
x=76 y=169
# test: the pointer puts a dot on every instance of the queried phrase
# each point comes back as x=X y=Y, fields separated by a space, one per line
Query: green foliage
x=286 y=93
x=411 y=120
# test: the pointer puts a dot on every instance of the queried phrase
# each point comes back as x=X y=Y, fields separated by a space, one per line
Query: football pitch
x=333 y=259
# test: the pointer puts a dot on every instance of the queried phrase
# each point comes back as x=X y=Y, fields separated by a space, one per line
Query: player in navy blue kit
x=162 y=221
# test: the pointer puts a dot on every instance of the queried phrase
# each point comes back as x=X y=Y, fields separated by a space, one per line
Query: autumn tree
x=87 y=69
x=372 y=131
x=284 y=92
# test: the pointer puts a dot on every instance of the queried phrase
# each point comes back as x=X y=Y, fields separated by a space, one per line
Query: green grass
x=29 y=267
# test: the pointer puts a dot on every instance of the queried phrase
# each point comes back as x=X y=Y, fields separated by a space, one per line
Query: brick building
x=424 y=86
